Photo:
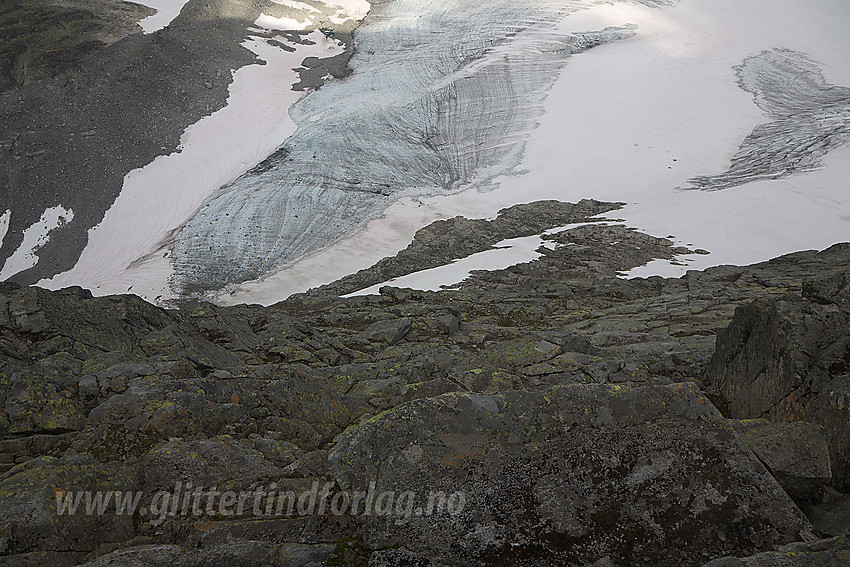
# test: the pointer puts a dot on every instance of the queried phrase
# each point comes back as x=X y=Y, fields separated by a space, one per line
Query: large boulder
x=833 y=552
x=389 y=332
x=795 y=453
x=651 y=475
x=788 y=359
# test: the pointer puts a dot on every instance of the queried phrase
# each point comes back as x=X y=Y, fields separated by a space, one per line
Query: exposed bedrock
x=833 y=552
x=443 y=93
x=442 y=242
x=810 y=118
x=553 y=388
x=559 y=477
x=42 y=38
x=788 y=359
x=795 y=454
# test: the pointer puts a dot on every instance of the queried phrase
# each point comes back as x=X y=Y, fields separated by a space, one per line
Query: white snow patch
x=377 y=240
x=505 y=254
x=272 y=23
x=297 y=5
x=4 y=225
x=663 y=268
x=36 y=236
x=167 y=10
x=130 y=248
x=632 y=121
x=571 y=226
x=349 y=10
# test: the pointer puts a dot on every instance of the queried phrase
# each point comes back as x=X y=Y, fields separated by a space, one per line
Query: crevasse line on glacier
x=810 y=118
x=443 y=93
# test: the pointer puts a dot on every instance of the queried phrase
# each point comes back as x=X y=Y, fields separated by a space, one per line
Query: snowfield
x=4 y=225
x=35 y=236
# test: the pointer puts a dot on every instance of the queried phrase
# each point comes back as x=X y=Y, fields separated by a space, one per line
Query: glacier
x=430 y=110
x=443 y=94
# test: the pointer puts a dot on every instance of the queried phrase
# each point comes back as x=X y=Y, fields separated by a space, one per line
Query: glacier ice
x=810 y=118
x=443 y=93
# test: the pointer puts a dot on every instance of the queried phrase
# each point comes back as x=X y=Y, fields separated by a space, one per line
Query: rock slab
x=795 y=453
x=788 y=359
x=651 y=475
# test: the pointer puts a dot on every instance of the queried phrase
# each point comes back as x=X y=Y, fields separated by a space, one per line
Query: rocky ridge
x=583 y=416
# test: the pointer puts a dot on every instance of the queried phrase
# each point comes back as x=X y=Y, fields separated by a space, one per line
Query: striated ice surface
x=130 y=245
x=443 y=93
x=166 y=11
x=810 y=118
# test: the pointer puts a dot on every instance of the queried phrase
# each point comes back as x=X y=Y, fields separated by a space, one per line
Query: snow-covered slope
x=130 y=249
x=166 y=11
x=720 y=122
x=641 y=120
x=35 y=236
x=123 y=255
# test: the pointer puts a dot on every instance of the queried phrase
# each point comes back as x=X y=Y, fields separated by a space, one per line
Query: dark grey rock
x=833 y=552
x=41 y=558
x=141 y=556
x=243 y=554
x=795 y=453
x=114 y=393
x=29 y=495
x=830 y=516
x=388 y=332
x=829 y=290
x=788 y=359
x=651 y=475
x=443 y=241
x=399 y=558
x=75 y=30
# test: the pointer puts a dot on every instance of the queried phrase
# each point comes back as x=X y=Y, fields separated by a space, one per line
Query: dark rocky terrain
x=587 y=419
x=563 y=415
x=43 y=38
